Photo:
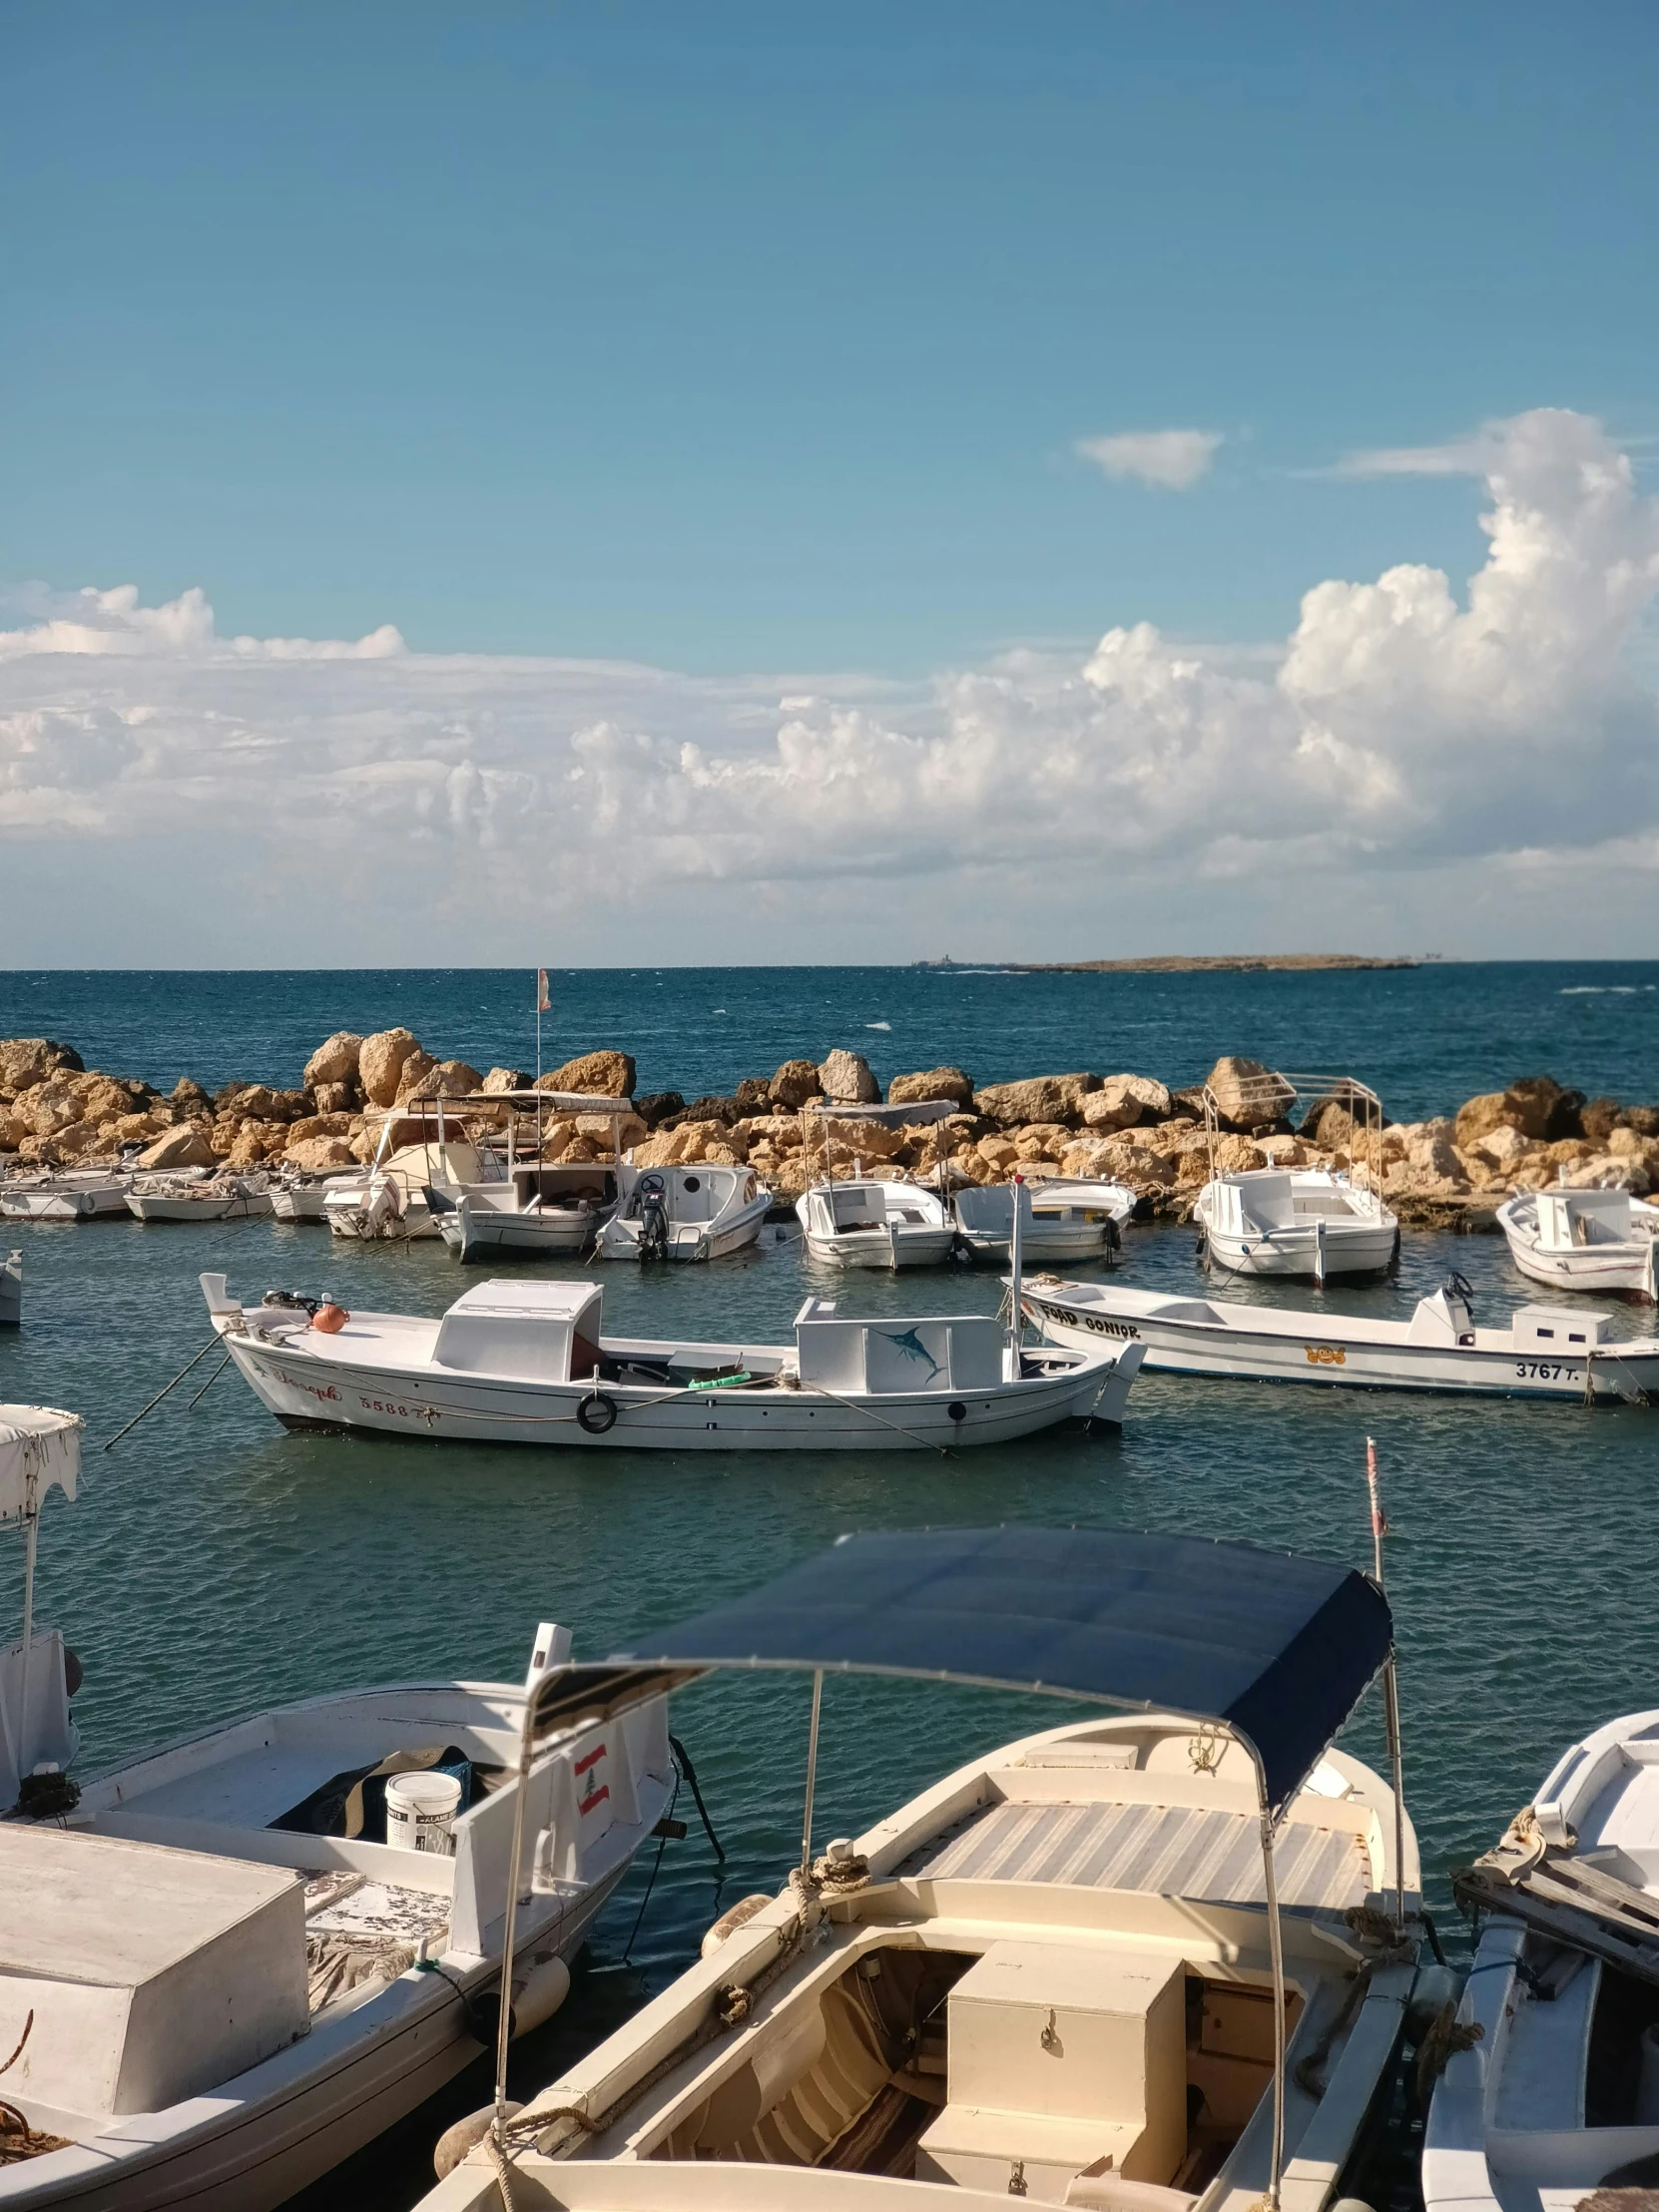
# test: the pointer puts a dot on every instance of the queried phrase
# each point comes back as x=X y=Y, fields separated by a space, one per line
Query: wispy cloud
x=448 y=797
x=1175 y=459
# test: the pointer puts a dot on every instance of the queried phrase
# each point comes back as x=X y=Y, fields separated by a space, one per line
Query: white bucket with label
x=420 y=1812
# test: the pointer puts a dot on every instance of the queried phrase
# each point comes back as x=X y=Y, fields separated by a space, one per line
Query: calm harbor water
x=214 y=1563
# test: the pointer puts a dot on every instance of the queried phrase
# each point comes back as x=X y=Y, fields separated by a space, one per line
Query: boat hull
x=478 y=1235
x=299 y=1204
x=11 y=1290
x=889 y=1248
x=1364 y=1250
x=64 y=1203
x=1336 y=1359
x=247 y=1206
x=305 y=1389
x=1068 y=1243
x=718 y=1240
x=1630 y=1269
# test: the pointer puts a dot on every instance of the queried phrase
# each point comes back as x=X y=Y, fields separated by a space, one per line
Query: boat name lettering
x=1093 y=1321
x=311 y=1389
x=1326 y=1356
x=1540 y=1371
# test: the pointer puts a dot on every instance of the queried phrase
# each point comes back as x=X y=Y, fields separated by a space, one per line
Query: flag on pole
x=544 y=1006
x=1379 y=1519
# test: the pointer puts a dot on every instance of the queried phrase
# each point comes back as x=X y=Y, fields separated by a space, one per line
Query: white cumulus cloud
x=1482 y=744
x=1173 y=459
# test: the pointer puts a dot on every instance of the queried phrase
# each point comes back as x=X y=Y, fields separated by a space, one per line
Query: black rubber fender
x=596 y=1413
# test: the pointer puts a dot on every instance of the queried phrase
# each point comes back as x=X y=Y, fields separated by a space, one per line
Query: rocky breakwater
x=1130 y=1128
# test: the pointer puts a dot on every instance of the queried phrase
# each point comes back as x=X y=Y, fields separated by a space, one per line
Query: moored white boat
x=540 y=1212
x=875 y=1224
x=704 y=1212
x=11 y=1290
x=1555 y=1351
x=1066 y=1219
x=1304 y=1222
x=223 y=1968
x=525 y=1362
x=1551 y=2091
x=64 y=1194
x=197 y=1197
x=1595 y=1241
x=1062 y=1973
x=305 y=1197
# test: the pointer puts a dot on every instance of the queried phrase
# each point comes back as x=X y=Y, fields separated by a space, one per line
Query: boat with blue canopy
x=1157 y=1958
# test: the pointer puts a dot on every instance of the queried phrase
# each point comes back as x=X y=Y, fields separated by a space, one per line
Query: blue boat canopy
x=1277 y=1648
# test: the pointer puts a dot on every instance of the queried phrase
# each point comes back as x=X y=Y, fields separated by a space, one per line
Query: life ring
x=596 y=1413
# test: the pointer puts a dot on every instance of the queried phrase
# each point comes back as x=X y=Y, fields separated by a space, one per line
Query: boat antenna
x=1390 y=1687
x=812 y=1775
x=544 y=1006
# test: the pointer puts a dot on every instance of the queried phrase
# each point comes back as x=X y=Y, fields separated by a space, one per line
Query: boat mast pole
x=1391 y=1689
x=25 y=1765
x=1016 y=1324
x=1276 y=1953
x=811 y=1772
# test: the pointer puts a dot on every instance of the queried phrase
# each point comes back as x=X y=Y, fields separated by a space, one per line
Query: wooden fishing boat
x=1551 y=2089
x=704 y=1212
x=1305 y=1222
x=1552 y=1352
x=540 y=1212
x=1595 y=1241
x=1067 y=1220
x=526 y=1362
x=62 y=1194
x=11 y=1290
x=1147 y=1962
x=232 y=1963
x=197 y=1195
x=875 y=1224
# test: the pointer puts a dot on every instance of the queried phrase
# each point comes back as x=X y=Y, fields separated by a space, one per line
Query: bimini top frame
x=1273 y=1648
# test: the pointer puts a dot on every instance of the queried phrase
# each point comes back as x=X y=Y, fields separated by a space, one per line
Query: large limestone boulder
x=184 y=1147
x=447 y=1079
x=318 y=1155
x=412 y=1074
x=854 y=1140
x=1430 y=1150
x=1040 y=1098
x=333 y=1098
x=1530 y=1106
x=187 y=1097
x=334 y=1060
x=1000 y=1154
x=845 y=1079
x=50 y=1106
x=657 y=1107
x=1247 y=1094
x=796 y=1084
x=912 y=1090
x=1236 y=1155
x=26 y=1061
x=318 y=1125
x=622 y=1129
x=604 y=1074
x=500 y=1080
x=1504 y=1146
x=380 y=1062
x=13 y=1130
x=1124 y=1100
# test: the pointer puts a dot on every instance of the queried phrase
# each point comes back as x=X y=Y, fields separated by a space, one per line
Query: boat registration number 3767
x=1541 y=1371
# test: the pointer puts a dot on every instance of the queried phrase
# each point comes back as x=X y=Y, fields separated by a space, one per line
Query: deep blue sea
x=213 y=1563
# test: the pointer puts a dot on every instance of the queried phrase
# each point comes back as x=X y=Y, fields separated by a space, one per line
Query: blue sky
x=563 y=482
x=745 y=335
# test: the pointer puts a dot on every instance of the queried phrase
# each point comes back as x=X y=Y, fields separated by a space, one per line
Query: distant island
x=1180 y=963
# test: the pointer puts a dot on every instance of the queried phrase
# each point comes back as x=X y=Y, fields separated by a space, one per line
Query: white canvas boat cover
x=39 y=1447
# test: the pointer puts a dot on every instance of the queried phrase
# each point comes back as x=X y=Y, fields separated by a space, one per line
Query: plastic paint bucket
x=420 y=1812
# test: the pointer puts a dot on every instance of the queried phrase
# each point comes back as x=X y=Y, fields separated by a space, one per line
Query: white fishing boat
x=1555 y=1351
x=388 y=1201
x=295 y=1198
x=200 y=1195
x=11 y=1290
x=1552 y=2091
x=1593 y=1241
x=683 y=1213
x=231 y=1963
x=1148 y=1962
x=1065 y=1219
x=1306 y=1222
x=539 y=1213
x=875 y=1224
x=526 y=1362
x=62 y=1194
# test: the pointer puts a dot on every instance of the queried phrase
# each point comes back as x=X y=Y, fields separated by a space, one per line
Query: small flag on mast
x=544 y=1006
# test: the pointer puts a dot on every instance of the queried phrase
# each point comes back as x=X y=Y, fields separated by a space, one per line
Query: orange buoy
x=331 y=1319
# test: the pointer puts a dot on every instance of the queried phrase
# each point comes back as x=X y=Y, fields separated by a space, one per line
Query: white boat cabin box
x=1568 y=1220
x=1555 y=1328
x=542 y=1332
x=958 y=1351
x=1091 y=2045
x=151 y=1974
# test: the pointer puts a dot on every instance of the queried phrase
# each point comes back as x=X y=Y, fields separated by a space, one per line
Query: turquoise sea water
x=213 y=1562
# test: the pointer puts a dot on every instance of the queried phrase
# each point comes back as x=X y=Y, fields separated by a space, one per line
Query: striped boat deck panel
x=1212 y=1857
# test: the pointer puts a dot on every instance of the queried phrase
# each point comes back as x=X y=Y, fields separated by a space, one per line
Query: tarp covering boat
x=39 y=1447
x=1277 y=1648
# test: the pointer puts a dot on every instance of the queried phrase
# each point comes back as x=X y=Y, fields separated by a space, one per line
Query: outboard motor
x=1458 y=1294
x=649 y=1205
